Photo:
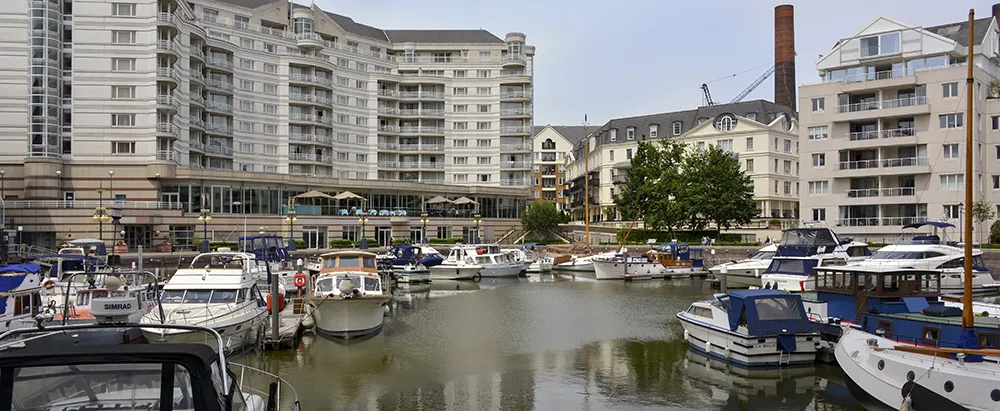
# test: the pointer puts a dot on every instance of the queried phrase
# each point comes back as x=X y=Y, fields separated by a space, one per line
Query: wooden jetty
x=289 y=330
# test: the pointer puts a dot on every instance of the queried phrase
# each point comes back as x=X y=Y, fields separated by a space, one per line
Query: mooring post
x=723 y=274
x=275 y=305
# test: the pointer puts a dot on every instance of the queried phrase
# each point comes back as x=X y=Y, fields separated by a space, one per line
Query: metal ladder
x=784 y=358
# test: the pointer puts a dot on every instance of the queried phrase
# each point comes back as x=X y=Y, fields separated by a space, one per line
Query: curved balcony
x=169 y=48
x=221 y=44
x=196 y=53
x=309 y=41
x=166 y=102
x=196 y=77
x=168 y=156
x=167 y=74
x=196 y=100
x=310 y=80
x=219 y=64
x=195 y=145
x=166 y=19
x=197 y=124
x=166 y=130
x=513 y=60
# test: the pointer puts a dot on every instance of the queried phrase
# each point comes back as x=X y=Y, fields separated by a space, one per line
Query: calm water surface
x=545 y=343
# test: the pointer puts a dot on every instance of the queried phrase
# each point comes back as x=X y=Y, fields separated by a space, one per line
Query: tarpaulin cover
x=800 y=266
x=809 y=237
x=767 y=312
x=941 y=310
x=20 y=268
x=786 y=342
x=915 y=304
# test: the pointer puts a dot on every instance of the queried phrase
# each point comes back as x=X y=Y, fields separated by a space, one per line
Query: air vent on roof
x=948 y=31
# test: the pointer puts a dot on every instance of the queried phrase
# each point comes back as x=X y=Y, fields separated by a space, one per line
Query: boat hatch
x=767 y=312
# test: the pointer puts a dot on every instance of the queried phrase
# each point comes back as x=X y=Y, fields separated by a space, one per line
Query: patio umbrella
x=438 y=200
x=315 y=194
x=464 y=201
x=347 y=195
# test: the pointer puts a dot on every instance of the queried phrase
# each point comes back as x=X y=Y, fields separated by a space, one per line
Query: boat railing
x=67 y=306
x=259 y=382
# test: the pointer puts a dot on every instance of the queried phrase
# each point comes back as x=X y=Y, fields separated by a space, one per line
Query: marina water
x=542 y=343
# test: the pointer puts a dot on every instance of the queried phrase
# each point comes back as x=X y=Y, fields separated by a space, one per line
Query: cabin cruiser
x=494 y=262
x=752 y=328
x=931 y=252
x=219 y=291
x=537 y=263
x=130 y=376
x=667 y=260
x=115 y=286
x=746 y=273
x=348 y=298
x=459 y=266
x=801 y=250
x=20 y=297
x=407 y=264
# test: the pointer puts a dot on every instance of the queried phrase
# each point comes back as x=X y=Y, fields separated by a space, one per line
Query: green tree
x=982 y=211
x=542 y=218
x=717 y=190
x=651 y=187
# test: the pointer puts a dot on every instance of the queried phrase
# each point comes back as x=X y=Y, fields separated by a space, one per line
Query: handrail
x=48 y=204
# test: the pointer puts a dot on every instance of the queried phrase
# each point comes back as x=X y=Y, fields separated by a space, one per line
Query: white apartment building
x=883 y=133
x=553 y=152
x=762 y=134
x=262 y=86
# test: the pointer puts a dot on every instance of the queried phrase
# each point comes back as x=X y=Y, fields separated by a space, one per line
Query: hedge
x=691 y=237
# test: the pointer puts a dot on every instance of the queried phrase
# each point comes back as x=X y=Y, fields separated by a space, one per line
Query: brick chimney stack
x=784 y=55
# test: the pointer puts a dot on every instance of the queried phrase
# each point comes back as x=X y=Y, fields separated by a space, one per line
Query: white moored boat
x=752 y=328
x=218 y=291
x=495 y=263
x=793 y=267
x=666 y=261
x=348 y=299
x=458 y=269
x=746 y=273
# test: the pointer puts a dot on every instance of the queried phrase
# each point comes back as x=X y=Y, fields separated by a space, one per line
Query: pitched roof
x=250 y=4
x=765 y=111
x=442 y=36
x=353 y=27
x=960 y=31
x=573 y=134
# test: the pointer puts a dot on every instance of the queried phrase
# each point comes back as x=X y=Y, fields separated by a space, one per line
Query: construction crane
x=707 y=95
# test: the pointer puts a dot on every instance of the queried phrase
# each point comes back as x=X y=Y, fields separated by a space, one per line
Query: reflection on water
x=545 y=344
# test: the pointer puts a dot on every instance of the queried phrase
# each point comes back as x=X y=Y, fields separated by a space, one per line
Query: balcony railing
x=219 y=149
x=387 y=146
x=858 y=164
x=421 y=129
x=301 y=137
x=217 y=62
x=875 y=134
x=432 y=164
x=898 y=191
x=324 y=139
x=218 y=128
x=196 y=145
x=167 y=45
x=878 y=221
x=219 y=106
x=388 y=110
x=167 y=72
x=514 y=112
x=513 y=94
x=388 y=93
x=165 y=18
x=863 y=192
x=52 y=204
x=904 y=162
x=167 y=155
x=515 y=164
x=388 y=128
x=516 y=147
x=882 y=104
x=166 y=128
x=513 y=182
x=430 y=112
x=514 y=130
x=219 y=84
x=886 y=74
x=388 y=164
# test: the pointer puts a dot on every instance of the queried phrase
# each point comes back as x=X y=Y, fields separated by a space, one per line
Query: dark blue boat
x=404 y=255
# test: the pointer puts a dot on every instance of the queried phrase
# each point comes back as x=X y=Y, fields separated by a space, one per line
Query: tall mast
x=586 y=183
x=967 y=320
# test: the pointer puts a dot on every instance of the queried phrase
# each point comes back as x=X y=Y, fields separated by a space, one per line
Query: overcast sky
x=623 y=58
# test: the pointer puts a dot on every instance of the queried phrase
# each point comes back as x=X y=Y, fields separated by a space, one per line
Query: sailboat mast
x=586 y=183
x=967 y=320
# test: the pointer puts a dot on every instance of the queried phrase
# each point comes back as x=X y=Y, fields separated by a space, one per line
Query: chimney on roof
x=996 y=11
x=784 y=56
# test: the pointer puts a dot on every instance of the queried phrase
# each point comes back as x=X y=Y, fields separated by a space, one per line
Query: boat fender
x=708 y=347
x=728 y=352
x=308 y=322
x=685 y=335
x=49 y=283
x=907 y=404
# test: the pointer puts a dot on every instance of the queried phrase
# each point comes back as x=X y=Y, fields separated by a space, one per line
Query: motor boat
x=801 y=250
x=348 y=298
x=538 y=264
x=665 y=261
x=746 y=273
x=20 y=295
x=494 y=262
x=461 y=267
x=115 y=287
x=752 y=328
x=218 y=290
x=131 y=376
x=412 y=274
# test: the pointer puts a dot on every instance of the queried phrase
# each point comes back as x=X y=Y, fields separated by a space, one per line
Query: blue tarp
x=20 y=268
x=941 y=310
x=800 y=266
x=767 y=312
x=915 y=304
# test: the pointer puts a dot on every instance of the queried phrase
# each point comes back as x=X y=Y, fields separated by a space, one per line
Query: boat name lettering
x=769 y=345
x=118 y=306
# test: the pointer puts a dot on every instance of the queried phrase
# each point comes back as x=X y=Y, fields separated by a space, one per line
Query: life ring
x=299 y=280
x=49 y=283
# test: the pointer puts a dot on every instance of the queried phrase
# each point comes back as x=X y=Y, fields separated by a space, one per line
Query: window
x=362 y=158
x=122 y=92
x=270 y=108
x=628 y=153
x=460 y=108
x=677 y=128
x=122 y=147
x=460 y=161
x=882 y=44
x=483 y=91
x=701 y=146
x=788 y=188
x=630 y=133
x=270 y=149
x=247 y=43
x=343 y=63
x=819 y=214
x=952 y=211
x=749 y=143
x=460 y=178
x=246 y=85
x=951 y=150
x=483 y=73
x=725 y=145
x=611 y=155
x=949 y=90
x=246 y=64
x=483 y=125
x=246 y=126
x=123 y=10
x=484 y=56
x=270 y=129
x=270 y=68
x=341 y=156
x=246 y=147
x=819 y=104
x=653 y=130
x=950 y=120
x=483 y=142
x=483 y=108
x=952 y=181
x=819 y=187
x=362 y=85
x=749 y=165
x=123 y=120
x=122 y=37
x=482 y=160
x=614 y=135
x=270 y=48
x=270 y=88
x=460 y=125
x=461 y=91
x=819 y=133
x=996 y=122
x=788 y=166
x=246 y=105
x=788 y=146
x=460 y=73
x=996 y=182
x=931 y=335
x=122 y=64
x=461 y=143
x=819 y=160
x=751 y=116
x=343 y=100
x=483 y=178
x=361 y=121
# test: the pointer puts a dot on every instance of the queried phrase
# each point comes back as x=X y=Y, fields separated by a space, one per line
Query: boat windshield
x=201 y=296
x=904 y=255
x=349 y=261
x=763 y=255
x=777 y=308
x=84 y=298
x=100 y=386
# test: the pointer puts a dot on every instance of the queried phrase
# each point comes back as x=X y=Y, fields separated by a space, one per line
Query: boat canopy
x=20 y=268
x=803 y=242
x=935 y=224
x=766 y=312
x=799 y=266
x=269 y=248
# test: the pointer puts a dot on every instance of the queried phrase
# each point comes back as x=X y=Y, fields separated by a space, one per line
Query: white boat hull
x=502 y=270
x=744 y=274
x=349 y=319
x=576 y=266
x=789 y=283
x=616 y=270
x=539 y=267
x=236 y=336
x=413 y=277
x=454 y=272
x=743 y=350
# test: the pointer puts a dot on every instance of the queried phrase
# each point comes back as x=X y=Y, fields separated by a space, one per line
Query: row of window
x=463 y=178
x=481 y=160
x=948 y=90
x=464 y=108
x=464 y=125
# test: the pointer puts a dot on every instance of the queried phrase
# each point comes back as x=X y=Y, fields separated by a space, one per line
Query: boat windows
x=700 y=311
x=199 y=296
x=371 y=284
x=808 y=238
x=790 y=266
x=101 y=386
x=858 y=251
x=224 y=296
x=241 y=296
x=779 y=308
x=885 y=326
x=905 y=255
x=27 y=304
x=763 y=255
x=324 y=285
x=368 y=262
x=989 y=340
x=931 y=335
x=350 y=261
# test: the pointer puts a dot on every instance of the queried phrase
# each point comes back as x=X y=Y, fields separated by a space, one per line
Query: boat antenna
x=968 y=338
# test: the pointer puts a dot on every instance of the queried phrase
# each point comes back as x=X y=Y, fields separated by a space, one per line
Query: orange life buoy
x=299 y=280
x=49 y=283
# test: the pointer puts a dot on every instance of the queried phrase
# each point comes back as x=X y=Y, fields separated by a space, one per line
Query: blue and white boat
x=407 y=264
x=801 y=250
x=20 y=298
x=752 y=328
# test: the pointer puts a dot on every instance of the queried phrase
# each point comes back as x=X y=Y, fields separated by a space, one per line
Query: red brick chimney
x=784 y=55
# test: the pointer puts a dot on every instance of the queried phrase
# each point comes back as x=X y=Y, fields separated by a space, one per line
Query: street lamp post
x=291 y=219
x=261 y=231
x=364 y=224
x=476 y=221
x=19 y=230
x=204 y=217
x=3 y=194
x=59 y=195
x=111 y=185
x=423 y=227
x=100 y=214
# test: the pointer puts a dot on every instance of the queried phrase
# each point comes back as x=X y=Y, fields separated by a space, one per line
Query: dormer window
x=653 y=130
x=726 y=122
x=614 y=135
x=882 y=44
x=630 y=133
x=677 y=128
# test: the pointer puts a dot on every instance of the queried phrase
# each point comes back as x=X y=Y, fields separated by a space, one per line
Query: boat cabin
x=677 y=255
x=20 y=297
x=764 y=312
x=349 y=261
x=357 y=266
x=406 y=254
x=271 y=248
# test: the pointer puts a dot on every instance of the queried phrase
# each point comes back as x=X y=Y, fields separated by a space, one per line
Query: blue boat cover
x=767 y=312
x=20 y=268
x=786 y=342
x=800 y=266
x=937 y=224
x=915 y=304
x=941 y=310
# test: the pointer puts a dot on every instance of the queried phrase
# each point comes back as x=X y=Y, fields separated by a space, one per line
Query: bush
x=691 y=237
x=215 y=246
x=995 y=232
x=877 y=245
x=774 y=222
x=371 y=243
x=341 y=243
x=300 y=244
